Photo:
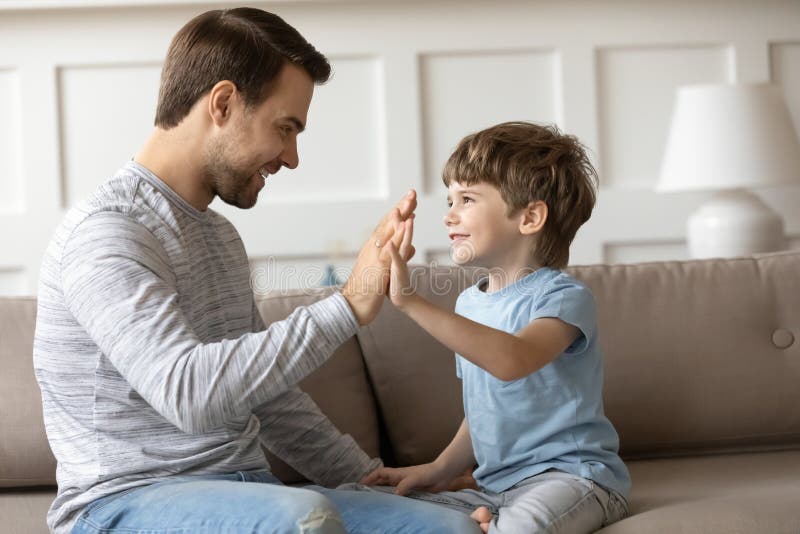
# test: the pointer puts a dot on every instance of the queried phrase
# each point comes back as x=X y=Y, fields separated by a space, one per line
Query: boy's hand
x=401 y=291
x=425 y=477
x=367 y=283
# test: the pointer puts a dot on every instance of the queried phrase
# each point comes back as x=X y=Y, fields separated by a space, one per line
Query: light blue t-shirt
x=552 y=418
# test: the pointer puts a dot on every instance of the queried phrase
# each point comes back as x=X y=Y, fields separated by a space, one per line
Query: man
x=159 y=380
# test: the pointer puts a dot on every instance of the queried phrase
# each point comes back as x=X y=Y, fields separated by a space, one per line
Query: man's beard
x=227 y=181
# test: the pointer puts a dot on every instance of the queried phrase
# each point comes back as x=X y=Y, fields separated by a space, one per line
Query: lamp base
x=734 y=223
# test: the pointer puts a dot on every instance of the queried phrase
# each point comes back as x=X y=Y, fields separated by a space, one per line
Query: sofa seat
x=24 y=510
x=731 y=493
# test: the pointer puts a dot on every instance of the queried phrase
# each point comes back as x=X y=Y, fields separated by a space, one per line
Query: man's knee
x=454 y=523
x=309 y=512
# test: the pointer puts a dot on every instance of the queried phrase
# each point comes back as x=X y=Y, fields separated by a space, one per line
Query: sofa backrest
x=25 y=457
x=700 y=356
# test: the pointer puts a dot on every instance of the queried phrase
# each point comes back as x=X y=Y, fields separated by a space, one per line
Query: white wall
x=411 y=78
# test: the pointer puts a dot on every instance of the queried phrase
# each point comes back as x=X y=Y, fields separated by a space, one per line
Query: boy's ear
x=533 y=217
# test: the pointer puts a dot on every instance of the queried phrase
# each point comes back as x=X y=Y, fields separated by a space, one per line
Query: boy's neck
x=502 y=277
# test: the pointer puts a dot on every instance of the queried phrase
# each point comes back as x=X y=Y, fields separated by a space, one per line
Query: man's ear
x=221 y=100
x=533 y=217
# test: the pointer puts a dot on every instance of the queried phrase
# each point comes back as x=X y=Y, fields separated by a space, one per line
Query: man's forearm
x=294 y=429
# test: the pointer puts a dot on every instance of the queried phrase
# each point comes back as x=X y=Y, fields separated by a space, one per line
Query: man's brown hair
x=529 y=162
x=245 y=45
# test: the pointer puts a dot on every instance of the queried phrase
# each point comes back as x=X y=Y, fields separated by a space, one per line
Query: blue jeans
x=552 y=502
x=256 y=501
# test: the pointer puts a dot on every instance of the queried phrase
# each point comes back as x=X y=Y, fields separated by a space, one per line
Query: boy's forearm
x=458 y=455
x=477 y=343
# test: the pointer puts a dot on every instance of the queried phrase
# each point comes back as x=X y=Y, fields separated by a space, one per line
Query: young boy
x=526 y=342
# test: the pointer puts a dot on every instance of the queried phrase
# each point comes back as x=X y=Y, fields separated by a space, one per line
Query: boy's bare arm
x=506 y=356
x=458 y=456
x=436 y=476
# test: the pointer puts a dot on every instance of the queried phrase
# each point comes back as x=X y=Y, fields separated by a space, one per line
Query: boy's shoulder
x=535 y=288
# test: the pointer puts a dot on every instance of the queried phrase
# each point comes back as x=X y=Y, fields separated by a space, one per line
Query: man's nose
x=289 y=157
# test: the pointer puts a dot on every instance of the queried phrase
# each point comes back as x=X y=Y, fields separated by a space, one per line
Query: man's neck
x=177 y=160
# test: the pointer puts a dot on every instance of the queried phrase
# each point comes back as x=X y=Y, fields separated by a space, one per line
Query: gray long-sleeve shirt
x=153 y=360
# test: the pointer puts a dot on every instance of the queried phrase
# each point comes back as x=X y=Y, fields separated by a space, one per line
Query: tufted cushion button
x=782 y=338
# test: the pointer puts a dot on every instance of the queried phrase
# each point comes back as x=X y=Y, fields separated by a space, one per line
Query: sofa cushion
x=25 y=512
x=25 y=457
x=690 y=360
x=340 y=387
x=744 y=493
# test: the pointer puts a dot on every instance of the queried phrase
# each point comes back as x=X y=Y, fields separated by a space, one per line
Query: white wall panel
x=106 y=113
x=463 y=93
x=78 y=90
x=343 y=152
x=14 y=282
x=785 y=70
x=636 y=90
x=11 y=181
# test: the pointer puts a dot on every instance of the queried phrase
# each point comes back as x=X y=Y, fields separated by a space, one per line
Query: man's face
x=258 y=141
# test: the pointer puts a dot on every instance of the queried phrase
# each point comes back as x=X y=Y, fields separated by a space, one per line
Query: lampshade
x=729 y=136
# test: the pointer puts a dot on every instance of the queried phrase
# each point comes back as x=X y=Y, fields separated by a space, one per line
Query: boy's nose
x=449 y=218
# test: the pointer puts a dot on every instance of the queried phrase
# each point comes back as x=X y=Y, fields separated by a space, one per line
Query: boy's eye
x=449 y=203
x=467 y=199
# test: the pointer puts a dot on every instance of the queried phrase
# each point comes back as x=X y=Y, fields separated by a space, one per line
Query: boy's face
x=481 y=233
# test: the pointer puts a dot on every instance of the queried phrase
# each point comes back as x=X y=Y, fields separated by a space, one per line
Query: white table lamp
x=730 y=138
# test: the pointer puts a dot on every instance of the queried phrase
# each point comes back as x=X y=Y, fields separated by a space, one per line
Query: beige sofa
x=702 y=383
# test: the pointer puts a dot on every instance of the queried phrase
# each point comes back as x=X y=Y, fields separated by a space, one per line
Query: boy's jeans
x=256 y=501
x=551 y=502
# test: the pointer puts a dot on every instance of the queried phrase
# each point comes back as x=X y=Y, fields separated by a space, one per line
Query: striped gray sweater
x=153 y=360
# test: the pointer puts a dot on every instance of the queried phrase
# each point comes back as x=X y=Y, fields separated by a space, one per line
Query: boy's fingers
x=393 y=252
x=399 y=233
x=404 y=486
x=408 y=234
x=370 y=478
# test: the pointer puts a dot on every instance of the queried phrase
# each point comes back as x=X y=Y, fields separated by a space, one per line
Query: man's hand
x=401 y=291
x=369 y=280
x=425 y=477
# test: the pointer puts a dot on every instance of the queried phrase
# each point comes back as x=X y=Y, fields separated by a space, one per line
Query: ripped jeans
x=257 y=502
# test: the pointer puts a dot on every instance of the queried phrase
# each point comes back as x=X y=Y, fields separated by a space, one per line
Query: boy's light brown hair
x=529 y=162
x=245 y=45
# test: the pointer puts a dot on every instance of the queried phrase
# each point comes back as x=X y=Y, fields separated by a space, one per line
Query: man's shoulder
x=117 y=194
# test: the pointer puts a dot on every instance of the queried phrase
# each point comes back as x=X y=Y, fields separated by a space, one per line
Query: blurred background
x=79 y=82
